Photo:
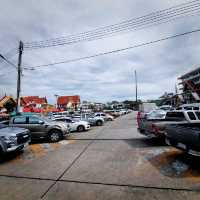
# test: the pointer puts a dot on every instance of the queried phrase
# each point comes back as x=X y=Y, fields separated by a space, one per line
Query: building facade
x=64 y=102
x=190 y=86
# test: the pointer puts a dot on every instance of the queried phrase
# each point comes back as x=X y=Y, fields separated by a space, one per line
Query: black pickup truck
x=185 y=136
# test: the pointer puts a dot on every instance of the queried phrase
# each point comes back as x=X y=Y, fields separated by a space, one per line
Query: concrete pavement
x=109 y=162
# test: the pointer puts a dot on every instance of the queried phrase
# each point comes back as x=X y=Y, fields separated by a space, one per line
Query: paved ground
x=109 y=162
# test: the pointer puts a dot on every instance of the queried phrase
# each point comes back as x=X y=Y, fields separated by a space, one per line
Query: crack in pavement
x=105 y=184
x=73 y=162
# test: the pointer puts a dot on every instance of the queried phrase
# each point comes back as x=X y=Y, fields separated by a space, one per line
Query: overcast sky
x=104 y=78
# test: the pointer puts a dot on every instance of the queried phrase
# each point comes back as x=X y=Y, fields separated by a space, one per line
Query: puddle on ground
x=174 y=163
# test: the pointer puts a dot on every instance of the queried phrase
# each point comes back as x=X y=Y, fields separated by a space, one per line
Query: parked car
x=74 y=125
x=41 y=127
x=106 y=117
x=166 y=108
x=145 y=121
x=157 y=128
x=13 y=138
x=91 y=119
x=185 y=137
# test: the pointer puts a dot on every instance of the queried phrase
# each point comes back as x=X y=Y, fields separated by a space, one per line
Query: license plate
x=181 y=145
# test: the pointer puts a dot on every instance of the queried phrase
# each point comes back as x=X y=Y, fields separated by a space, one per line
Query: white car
x=106 y=117
x=74 y=125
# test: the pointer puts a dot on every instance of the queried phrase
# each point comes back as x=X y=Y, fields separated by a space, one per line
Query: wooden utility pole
x=19 y=73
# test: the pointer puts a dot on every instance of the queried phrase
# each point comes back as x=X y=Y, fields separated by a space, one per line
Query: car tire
x=54 y=135
x=109 y=119
x=99 y=123
x=80 y=128
x=1 y=151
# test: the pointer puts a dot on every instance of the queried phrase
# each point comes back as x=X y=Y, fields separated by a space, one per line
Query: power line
x=121 y=23
x=114 y=33
x=10 y=53
x=127 y=25
x=9 y=62
x=118 y=50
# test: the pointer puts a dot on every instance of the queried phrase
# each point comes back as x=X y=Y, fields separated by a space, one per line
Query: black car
x=185 y=137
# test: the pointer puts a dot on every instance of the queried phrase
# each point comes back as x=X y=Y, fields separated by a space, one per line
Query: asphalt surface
x=109 y=162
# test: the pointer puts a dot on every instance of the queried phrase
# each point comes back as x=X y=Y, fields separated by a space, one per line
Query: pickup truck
x=185 y=137
x=156 y=128
x=13 y=138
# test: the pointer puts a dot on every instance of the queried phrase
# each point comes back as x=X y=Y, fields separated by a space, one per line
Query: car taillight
x=138 y=118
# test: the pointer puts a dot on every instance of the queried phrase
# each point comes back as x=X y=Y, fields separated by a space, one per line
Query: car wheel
x=80 y=128
x=1 y=151
x=55 y=135
x=99 y=123
x=109 y=119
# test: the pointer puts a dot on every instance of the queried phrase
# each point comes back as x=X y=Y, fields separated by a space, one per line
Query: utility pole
x=136 y=88
x=19 y=73
x=56 y=95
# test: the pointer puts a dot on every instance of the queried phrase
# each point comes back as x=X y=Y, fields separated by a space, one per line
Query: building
x=8 y=103
x=190 y=86
x=33 y=103
x=64 y=102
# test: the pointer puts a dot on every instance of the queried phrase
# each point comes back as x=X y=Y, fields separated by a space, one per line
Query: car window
x=98 y=115
x=19 y=120
x=195 y=108
x=68 y=120
x=61 y=120
x=188 y=108
x=175 y=116
x=191 y=116
x=198 y=115
x=34 y=120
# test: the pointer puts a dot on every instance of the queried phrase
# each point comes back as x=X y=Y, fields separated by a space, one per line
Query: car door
x=71 y=125
x=37 y=127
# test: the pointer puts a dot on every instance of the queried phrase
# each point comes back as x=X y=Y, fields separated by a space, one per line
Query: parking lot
x=109 y=162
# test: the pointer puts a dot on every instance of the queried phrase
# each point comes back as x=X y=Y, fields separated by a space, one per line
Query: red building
x=33 y=103
x=68 y=101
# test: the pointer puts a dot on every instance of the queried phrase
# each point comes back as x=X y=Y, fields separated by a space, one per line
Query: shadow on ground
x=146 y=142
x=10 y=156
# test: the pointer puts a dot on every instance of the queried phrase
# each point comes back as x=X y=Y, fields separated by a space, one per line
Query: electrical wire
x=112 y=29
x=117 y=50
x=10 y=53
x=6 y=60
x=113 y=25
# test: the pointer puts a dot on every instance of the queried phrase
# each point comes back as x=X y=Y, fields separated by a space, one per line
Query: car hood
x=56 y=123
x=12 y=131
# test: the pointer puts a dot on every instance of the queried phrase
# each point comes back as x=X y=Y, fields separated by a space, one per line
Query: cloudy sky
x=102 y=78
